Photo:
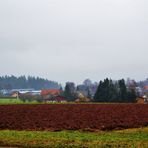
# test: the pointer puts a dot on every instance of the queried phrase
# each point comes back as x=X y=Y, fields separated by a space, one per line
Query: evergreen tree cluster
x=70 y=91
x=114 y=91
x=12 y=82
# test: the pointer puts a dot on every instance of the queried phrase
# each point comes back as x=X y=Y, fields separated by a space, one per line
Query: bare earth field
x=57 y=117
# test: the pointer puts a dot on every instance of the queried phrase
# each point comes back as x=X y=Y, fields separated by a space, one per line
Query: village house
x=140 y=100
x=5 y=93
x=145 y=94
x=17 y=92
x=52 y=95
x=81 y=97
x=15 y=95
x=145 y=90
x=144 y=98
x=60 y=99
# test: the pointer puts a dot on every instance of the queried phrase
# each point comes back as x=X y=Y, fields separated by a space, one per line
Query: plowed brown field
x=73 y=116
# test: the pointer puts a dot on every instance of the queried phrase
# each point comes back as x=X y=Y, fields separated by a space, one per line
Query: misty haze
x=73 y=40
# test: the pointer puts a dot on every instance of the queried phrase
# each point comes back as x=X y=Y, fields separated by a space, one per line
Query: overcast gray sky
x=70 y=40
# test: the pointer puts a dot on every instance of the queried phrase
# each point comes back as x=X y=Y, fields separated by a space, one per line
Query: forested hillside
x=13 y=82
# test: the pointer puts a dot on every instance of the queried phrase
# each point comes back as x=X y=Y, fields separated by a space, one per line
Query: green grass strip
x=124 y=138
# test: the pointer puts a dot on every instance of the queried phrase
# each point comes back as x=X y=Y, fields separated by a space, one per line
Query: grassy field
x=7 y=101
x=15 y=101
x=124 y=138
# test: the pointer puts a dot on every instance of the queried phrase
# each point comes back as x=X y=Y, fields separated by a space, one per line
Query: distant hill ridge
x=13 y=82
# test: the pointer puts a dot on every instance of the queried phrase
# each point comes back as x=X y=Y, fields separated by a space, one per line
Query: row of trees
x=106 y=91
x=12 y=82
x=88 y=89
x=114 y=91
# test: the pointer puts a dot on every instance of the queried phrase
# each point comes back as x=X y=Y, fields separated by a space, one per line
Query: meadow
x=10 y=101
x=77 y=139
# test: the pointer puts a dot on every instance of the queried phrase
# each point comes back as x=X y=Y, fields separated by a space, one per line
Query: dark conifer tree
x=122 y=91
x=69 y=91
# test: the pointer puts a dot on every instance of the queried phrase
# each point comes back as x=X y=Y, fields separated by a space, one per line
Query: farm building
x=5 y=93
x=56 y=99
x=143 y=100
x=22 y=91
x=81 y=97
x=25 y=92
x=145 y=93
x=53 y=92
x=15 y=94
x=83 y=100
x=49 y=94
x=145 y=90
x=140 y=100
x=52 y=95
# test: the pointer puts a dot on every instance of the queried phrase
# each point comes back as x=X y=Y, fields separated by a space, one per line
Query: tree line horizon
x=106 y=90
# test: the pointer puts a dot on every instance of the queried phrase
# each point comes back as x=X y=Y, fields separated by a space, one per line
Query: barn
x=52 y=95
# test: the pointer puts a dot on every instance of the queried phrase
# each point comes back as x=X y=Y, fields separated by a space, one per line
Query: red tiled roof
x=50 y=92
x=146 y=87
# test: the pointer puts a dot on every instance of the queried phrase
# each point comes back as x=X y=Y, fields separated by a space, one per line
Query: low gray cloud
x=73 y=40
